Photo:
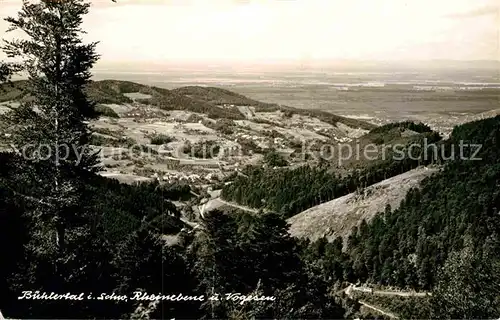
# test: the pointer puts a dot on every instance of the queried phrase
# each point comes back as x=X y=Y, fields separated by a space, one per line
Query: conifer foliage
x=50 y=130
x=50 y=134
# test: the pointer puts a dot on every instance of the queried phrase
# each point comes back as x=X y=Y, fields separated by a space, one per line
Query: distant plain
x=441 y=98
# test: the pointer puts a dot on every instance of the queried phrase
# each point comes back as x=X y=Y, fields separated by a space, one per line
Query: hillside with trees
x=459 y=203
x=443 y=238
x=290 y=191
x=196 y=99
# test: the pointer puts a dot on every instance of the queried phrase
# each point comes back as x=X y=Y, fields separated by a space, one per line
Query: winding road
x=390 y=315
x=348 y=291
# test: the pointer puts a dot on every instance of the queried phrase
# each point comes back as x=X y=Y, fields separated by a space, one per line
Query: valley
x=203 y=138
x=125 y=134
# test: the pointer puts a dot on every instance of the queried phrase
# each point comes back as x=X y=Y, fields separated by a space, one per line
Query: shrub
x=224 y=126
x=274 y=159
x=161 y=139
x=99 y=140
x=106 y=111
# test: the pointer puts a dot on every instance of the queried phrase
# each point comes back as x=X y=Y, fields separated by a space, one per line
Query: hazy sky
x=256 y=30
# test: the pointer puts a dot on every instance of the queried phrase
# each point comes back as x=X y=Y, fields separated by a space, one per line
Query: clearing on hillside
x=337 y=217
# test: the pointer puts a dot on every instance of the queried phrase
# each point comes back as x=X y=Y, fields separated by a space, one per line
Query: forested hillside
x=441 y=233
x=117 y=212
x=290 y=191
x=459 y=203
x=444 y=237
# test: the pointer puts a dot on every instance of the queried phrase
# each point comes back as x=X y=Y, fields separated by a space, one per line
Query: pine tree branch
x=30 y=198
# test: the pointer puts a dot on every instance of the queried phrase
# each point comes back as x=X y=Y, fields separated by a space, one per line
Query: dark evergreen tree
x=217 y=263
x=50 y=133
x=145 y=263
x=273 y=159
x=54 y=121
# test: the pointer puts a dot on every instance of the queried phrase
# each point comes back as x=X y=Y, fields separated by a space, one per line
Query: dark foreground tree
x=49 y=131
x=147 y=264
x=255 y=255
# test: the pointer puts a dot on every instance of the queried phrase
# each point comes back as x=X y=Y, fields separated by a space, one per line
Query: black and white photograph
x=249 y=159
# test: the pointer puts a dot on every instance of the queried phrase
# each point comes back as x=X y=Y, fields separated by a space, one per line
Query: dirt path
x=348 y=291
x=401 y=294
x=390 y=315
x=189 y=223
x=237 y=206
x=390 y=292
x=352 y=287
x=219 y=202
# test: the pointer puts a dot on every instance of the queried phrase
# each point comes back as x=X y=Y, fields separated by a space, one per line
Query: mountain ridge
x=192 y=98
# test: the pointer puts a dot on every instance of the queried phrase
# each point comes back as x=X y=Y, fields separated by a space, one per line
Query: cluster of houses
x=178 y=176
x=260 y=140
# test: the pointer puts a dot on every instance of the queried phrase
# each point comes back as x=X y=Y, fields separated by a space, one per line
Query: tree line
x=443 y=238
